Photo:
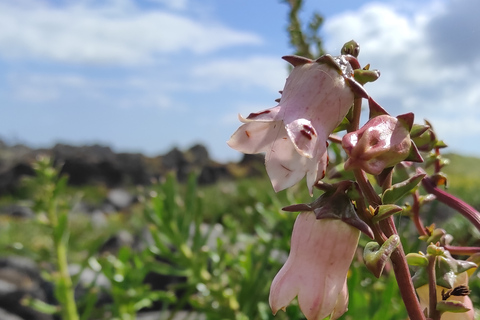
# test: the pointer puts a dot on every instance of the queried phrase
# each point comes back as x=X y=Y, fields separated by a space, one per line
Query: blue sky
x=149 y=75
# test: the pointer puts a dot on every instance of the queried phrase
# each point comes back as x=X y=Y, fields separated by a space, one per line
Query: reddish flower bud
x=381 y=143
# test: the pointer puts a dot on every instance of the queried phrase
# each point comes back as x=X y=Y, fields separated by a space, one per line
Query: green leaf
x=376 y=256
x=452 y=306
x=417 y=259
x=384 y=211
x=397 y=191
x=40 y=305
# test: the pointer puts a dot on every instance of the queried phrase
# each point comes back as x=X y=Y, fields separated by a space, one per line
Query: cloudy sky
x=148 y=75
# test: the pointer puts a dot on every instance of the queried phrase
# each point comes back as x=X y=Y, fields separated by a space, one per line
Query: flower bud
x=381 y=143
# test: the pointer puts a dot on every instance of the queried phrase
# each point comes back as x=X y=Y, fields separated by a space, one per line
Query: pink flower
x=461 y=279
x=316 y=269
x=316 y=98
x=381 y=143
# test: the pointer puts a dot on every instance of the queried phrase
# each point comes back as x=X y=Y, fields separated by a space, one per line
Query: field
x=195 y=251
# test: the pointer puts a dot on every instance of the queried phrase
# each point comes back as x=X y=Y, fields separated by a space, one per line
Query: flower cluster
x=321 y=97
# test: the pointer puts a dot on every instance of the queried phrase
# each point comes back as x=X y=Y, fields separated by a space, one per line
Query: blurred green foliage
x=222 y=243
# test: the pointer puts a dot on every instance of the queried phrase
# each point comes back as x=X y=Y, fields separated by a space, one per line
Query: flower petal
x=272 y=114
x=316 y=269
x=342 y=303
x=285 y=166
x=304 y=137
x=318 y=93
x=255 y=137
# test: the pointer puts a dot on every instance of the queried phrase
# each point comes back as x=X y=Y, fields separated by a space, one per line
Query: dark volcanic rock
x=97 y=164
x=19 y=278
x=88 y=164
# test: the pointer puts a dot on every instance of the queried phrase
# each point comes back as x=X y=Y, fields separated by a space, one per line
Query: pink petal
x=316 y=269
x=318 y=93
x=342 y=303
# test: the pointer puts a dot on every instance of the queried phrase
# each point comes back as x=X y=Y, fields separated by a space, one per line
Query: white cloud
x=419 y=72
x=119 y=32
x=259 y=71
x=176 y=4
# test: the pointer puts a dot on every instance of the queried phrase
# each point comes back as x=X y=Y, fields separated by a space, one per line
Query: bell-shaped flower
x=316 y=269
x=461 y=280
x=316 y=97
x=381 y=143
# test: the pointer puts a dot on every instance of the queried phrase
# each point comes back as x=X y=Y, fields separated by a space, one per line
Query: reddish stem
x=416 y=214
x=402 y=274
x=399 y=262
x=453 y=202
x=462 y=251
x=432 y=288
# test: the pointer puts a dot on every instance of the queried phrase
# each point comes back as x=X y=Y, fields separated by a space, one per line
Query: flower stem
x=467 y=251
x=65 y=286
x=432 y=289
x=402 y=274
x=400 y=266
x=453 y=202
x=64 y=290
x=416 y=214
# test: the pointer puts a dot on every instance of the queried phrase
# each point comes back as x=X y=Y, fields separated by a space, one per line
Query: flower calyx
x=334 y=204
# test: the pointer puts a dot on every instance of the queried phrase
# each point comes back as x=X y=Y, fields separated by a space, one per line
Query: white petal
x=317 y=167
x=272 y=114
x=255 y=137
x=285 y=166
x=304 y=137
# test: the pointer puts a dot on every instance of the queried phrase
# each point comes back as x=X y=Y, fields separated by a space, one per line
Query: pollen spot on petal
x=247 y=133
x=256 y=114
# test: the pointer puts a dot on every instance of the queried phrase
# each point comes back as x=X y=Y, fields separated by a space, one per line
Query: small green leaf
x=40 y=305
x=452 y=306
x=376 y=256
x=417 y=259
x=384 y=211
x=397 y=191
